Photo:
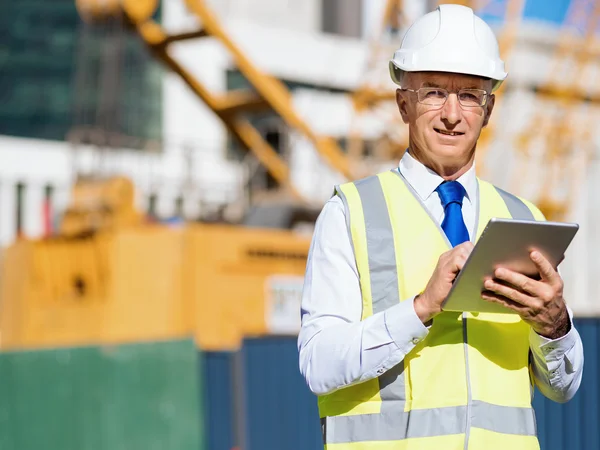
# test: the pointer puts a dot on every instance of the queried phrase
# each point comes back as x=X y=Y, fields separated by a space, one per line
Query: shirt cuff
x=404 y=326
x=553 y=349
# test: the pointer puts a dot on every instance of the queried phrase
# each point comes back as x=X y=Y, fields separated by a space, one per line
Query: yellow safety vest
x=467 y=384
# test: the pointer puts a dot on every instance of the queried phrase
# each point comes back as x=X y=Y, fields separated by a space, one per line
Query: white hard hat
x=450 y=39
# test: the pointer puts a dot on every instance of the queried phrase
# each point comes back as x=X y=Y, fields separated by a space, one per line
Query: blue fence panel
x=218 y=400
x=589 y=394
x=280 y=411
x=576 y=424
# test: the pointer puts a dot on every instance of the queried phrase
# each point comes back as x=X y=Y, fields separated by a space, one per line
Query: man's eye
x=435 y=94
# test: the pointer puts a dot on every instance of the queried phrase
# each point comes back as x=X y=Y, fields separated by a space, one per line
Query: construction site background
x=162 y=164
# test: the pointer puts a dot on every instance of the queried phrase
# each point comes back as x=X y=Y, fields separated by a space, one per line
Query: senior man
x=391 y=370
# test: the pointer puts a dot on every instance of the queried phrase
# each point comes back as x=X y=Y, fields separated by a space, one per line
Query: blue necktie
x=451 y=194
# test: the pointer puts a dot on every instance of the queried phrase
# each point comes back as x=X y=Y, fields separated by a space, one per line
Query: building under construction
x=162 y=165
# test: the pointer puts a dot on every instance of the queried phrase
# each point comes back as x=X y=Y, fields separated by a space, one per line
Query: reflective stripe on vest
x=384 y=279
x=398 y=425
x=380 y=412
x=518 y=209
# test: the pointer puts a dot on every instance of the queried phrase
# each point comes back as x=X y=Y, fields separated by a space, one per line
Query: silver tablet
x=506 y=243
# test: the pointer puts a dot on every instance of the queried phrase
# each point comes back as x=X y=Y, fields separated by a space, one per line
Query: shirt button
x=380 y=371
x=416 y=341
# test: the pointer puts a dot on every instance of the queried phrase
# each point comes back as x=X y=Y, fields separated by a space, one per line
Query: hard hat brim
x=396 y=73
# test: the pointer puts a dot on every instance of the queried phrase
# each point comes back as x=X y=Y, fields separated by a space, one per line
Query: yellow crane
x=556 y=126
x=266 y=91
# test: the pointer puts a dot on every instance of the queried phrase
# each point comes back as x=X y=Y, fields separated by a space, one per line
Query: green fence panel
x=124 y=397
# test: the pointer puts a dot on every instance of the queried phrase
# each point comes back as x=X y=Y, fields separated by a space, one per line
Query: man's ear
x=489 y=107
x=402 y=103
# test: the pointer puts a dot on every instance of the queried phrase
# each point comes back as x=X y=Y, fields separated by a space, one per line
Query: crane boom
x=266 y=93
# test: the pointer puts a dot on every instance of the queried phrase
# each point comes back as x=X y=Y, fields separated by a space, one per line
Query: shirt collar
x=424 y=180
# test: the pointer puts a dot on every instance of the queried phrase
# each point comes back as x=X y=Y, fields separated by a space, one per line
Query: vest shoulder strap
x=518 y=207
x=364 y=196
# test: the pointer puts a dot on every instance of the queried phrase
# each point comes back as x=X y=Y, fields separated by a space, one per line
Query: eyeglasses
x=433 y=96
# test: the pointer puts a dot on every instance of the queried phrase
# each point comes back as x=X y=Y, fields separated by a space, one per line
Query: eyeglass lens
x=438 y=96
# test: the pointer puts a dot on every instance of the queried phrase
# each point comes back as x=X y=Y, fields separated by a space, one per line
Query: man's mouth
x=448 y=133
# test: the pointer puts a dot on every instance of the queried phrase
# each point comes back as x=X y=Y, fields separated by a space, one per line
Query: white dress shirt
x=337 y=349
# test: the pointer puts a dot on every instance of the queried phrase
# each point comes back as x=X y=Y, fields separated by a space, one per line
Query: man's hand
x=429 y=303
x=539 y=303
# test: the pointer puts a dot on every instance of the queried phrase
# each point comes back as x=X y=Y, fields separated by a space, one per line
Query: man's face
x=445 y=135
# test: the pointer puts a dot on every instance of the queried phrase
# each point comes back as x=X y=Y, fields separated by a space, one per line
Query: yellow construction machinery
x=111 y=277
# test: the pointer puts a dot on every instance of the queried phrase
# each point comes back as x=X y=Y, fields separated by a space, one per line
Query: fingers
x=545 y=268
x=457 y=263
x=459 y=255
x=513 y=294
x=521 y=281
x=463 y=249
x=499 y=299
x=465 y=246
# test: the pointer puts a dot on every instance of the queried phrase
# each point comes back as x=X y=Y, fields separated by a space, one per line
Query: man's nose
x=451 y=109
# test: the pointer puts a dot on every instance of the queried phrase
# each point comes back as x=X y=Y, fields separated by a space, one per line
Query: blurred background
x=162 y=164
